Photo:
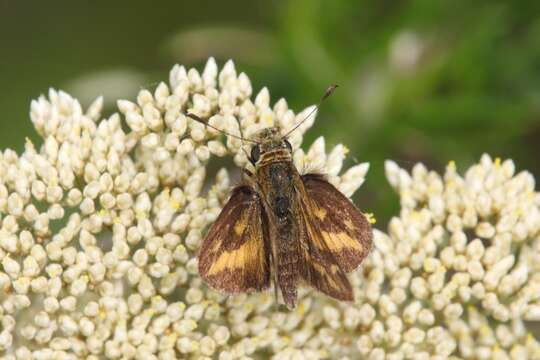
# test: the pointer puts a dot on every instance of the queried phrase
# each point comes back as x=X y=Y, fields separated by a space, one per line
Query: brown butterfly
x=278 y=223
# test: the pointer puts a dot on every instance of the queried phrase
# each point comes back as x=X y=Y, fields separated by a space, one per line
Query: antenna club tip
x=332 y=87
x=329 y=91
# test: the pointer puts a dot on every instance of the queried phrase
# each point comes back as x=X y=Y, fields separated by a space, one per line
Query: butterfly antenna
x=198 y=119
x=329 y=91
x=243 y=149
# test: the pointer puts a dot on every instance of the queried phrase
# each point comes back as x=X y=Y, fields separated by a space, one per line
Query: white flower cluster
x=100 y=227
x=458 y=272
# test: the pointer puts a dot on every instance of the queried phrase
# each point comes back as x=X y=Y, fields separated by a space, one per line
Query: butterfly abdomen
x=287 y=259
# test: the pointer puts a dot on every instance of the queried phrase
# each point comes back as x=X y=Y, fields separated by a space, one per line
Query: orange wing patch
x=234 y=256
x=249 y=254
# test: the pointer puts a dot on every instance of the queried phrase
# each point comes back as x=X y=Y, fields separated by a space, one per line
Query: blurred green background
x=428 y=81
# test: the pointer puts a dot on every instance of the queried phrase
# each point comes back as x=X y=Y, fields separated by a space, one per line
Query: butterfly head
x=271 y=146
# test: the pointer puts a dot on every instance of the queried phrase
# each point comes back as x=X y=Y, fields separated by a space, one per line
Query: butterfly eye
x=255 y=153
x=288 y=144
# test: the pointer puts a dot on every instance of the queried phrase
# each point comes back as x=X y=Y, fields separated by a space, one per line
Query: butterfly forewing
x=234 y=256
x=337 y=236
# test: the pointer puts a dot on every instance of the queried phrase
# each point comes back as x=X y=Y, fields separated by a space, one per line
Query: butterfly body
x=286 y=226
x=278 y=182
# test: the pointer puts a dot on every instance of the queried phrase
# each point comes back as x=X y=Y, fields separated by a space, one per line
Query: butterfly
x=281 y=226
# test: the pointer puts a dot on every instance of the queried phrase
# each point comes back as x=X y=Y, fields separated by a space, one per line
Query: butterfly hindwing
x=337 y=237
x=234 y=256
x=320 y=270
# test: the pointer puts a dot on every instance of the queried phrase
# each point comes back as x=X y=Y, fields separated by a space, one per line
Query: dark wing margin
x=336 y=237
x=235 y=256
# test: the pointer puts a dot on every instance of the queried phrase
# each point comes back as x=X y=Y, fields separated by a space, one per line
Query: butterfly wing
x=336 y=237
x=234 y=256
